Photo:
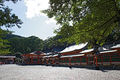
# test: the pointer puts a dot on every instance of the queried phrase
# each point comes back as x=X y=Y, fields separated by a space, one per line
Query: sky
x=35 y=23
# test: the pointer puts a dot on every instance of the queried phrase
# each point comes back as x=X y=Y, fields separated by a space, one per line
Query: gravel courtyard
x=37 y=72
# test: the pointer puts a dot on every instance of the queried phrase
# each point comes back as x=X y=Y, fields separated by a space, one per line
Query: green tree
x=34 y=43
x=3 y=43
x=85 y=20
x=25 y=45
x=7 y=19
x=53 y=44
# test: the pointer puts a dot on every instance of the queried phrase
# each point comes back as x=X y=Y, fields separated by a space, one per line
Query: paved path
x=15 y=72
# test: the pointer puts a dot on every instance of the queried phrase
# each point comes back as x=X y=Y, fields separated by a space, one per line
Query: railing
x=107 y=58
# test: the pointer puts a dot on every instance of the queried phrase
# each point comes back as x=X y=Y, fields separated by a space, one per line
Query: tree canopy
x=3 y=43
x=25 y=45
x=8 y=20
x=85 y=20
x=30 y=44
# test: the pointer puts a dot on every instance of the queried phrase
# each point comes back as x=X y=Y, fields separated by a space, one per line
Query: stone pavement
x=38 y=72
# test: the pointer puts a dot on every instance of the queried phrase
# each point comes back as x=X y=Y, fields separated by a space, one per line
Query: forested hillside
x=19 y=44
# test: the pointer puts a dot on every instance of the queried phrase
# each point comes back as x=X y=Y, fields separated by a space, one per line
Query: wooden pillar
x=96 y=61
x=52 y=61
x=31 y=59
x=55 y=61
x=69 y=61
x=63 y=60
x=101 y=59
x=28 y=62
x=110 y=58
x=42 y=60
x=86 y=60
x=47 y=61
x=73 y=61
x=80 y=60
x=66 y=60
x=38 y=59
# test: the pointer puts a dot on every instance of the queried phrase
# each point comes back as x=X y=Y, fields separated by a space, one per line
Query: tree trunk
x=95 y=47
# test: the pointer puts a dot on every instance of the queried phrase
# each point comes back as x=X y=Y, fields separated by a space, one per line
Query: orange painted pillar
x=62 y=60
x=28 y=57
x=74 y=61
x=69 y=61
x=56 y=61
x=31 y=59
x=96 y=61
x=101 y=59
x=52 y=61
x=46 y=61
x=110 y=58
x=80 y=60
x=38 y=59
x=86 y=60
x=66 y=61
x=42 y=60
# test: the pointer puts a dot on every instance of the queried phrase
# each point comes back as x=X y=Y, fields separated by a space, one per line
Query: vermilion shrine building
x=76 y=57
x=7 y=59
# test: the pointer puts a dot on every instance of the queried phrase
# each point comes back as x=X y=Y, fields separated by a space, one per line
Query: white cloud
x=50 y=20
x=35 y=6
